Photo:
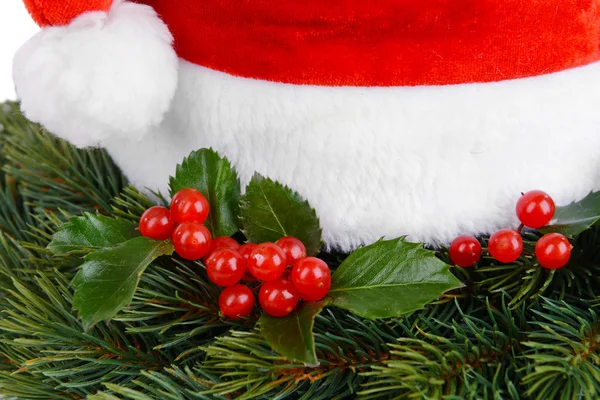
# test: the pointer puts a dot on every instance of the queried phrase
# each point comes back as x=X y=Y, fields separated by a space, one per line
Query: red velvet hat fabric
x=383 y=42
x=62 y=12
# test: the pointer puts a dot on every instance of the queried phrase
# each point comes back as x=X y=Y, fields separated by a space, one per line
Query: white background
x=15 y=28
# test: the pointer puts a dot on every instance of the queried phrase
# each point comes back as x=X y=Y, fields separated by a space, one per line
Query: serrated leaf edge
x=244 y=204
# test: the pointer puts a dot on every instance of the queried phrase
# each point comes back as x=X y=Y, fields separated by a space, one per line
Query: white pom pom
x=104 y=75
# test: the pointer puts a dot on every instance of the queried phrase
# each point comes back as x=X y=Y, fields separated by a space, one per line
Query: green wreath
x=495 y=331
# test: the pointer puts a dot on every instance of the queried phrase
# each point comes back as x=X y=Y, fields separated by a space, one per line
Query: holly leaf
x=91 y=232
x=270 y=210
x=388 y=279
x=292 y=335
x=575 y=218
x=212 y=175
x=107 y=280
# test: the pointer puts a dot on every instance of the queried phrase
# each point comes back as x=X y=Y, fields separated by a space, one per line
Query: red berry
x=311 y=278
x=156 y=223
x=465 y=251
x=225 y=267
x=189 y=205
x=267 y=262
x=222 y=242
x=506 y=245
x=535 y=209
x=278 y=297
x=191 y=240
x=236 y=301
x=293 y=249
x=245 y=251
x=553 y=251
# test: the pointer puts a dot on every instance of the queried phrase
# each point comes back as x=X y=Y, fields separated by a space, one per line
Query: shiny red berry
x=191 y=240
x=311 y=278
x=267 y=262
x=236 y=301
x=506 y=245
x=225 y=267
x=553 y=251
x=189 y=205
x=293 y=249
x=245 y=250
x=156 y=223
x=278 y=297
x=535 y=209
x=222 y=242
x=465 y=251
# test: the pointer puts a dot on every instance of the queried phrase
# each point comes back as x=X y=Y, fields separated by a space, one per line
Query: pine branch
x=130 y=204
x=54 y=175
x=15 y=215
x=472 y=355
x=563 y=351
x=45 y=341
x=174 y=383
x=177 y=306
x=374 y=358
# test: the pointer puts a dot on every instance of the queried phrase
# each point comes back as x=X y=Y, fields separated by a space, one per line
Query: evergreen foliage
x=513 y=332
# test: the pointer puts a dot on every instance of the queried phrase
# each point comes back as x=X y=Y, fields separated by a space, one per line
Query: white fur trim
x=430 y=162
x=103 y=75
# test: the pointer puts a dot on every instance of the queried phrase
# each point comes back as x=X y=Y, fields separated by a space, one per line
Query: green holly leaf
x=388 y=279
x=107 y=280
x=91 y=232
x=573 y=219
x=212 y=175
x=270 y=210
x=292 y=335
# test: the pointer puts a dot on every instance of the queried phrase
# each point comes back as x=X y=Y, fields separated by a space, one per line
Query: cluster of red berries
x=281 y=289
x=227 y=262
x=535 y=209
x=183 y=223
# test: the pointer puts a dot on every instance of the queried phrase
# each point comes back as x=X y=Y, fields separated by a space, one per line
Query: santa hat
x=384 y=42
x=122 y=73
x=441 y=111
